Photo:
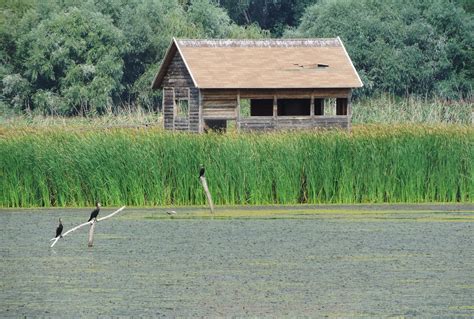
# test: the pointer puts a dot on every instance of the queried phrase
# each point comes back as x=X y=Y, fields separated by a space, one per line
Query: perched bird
x=95 y=212
x=59 y=230
x=171 y=212
x=202 y=171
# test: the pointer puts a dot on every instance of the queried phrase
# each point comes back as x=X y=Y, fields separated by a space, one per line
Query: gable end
x=173 y=71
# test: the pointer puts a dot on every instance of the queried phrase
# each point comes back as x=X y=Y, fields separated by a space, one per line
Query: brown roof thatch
x=283 y=63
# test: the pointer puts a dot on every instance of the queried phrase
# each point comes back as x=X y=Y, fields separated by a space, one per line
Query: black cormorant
x=95 y=212
x=59 y=230
x=201 y=171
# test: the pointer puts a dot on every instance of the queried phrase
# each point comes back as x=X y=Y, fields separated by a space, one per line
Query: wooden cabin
x=256 y=84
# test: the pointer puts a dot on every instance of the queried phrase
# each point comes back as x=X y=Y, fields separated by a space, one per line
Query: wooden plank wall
x=231 y=94
x=177 y=74
x=194 y=119
x=219 y=104
x=257 y=123
x=168 y=107
x=223 y=104
x=178 y=84
x=293 y=123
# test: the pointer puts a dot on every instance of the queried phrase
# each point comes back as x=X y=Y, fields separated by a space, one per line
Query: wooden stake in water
x=208 y=194
x=91 y=234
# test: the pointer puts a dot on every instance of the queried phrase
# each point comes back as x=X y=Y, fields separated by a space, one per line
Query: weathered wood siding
x=223 y=105
x=168 y=108
x=294 y=93
x=261 y=123
x=194 y=118
x=219 y=104
x=178 y=84
x=226 y=94
x=177 y=74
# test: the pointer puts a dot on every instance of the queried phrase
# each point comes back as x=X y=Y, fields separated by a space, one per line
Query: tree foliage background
x=91 y=57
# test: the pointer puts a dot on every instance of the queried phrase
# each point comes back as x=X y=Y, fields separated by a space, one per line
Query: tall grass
x=133 y=166
x=382 y=109
x=123 y=118
x=389 y=109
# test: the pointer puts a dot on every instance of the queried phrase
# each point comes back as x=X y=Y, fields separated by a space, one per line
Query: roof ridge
x=303 y=42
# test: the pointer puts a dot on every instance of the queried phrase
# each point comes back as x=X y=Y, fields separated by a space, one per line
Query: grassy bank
x=130 y=166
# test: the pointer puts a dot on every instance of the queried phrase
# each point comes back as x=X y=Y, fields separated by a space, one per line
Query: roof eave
x=352 y=65
x=278 y=87
x=185 y=62
x=157 y=81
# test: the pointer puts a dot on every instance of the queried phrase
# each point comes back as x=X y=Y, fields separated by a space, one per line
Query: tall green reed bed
x=75 y=167
x=389 y=109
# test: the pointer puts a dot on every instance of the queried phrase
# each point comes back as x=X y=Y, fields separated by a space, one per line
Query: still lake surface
x=321 y=265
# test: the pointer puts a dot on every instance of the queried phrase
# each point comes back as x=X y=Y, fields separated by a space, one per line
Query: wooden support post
x=349 y=111
x=275 y=107
x=91 y=234
x=275 y=111
x=201 y=122
x=208 y=194
x=174 y=108
x=238 y=111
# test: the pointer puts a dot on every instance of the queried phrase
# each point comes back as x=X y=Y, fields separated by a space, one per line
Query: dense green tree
x=272 y=15
x=12 y=84
x=400 y=46
x=69 y=57
x=148 y=27
x=74 y=62
x=73 y=57
x=467 y=5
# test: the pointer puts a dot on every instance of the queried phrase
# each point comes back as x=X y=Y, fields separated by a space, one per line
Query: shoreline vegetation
x=145 y=166
x=382 y=109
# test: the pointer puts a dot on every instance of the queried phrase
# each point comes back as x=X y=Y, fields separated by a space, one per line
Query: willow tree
x=73 y=61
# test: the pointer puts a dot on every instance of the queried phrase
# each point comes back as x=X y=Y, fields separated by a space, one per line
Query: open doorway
x=220 y=126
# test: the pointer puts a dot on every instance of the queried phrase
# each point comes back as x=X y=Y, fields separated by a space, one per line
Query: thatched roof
x=276 y=63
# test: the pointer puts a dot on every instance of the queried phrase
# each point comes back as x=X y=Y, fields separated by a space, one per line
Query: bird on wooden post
x=95 y=212
x=202 y=178
x=202 y=171
x=59 y=229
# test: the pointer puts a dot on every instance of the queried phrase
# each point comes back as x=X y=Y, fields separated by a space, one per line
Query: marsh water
x=145 y=263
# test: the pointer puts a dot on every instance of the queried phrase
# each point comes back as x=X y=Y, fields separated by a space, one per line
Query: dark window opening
x=294 y=107
x=341 y=106
x=322 y=65
x=261 y=107
x=319 y=107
